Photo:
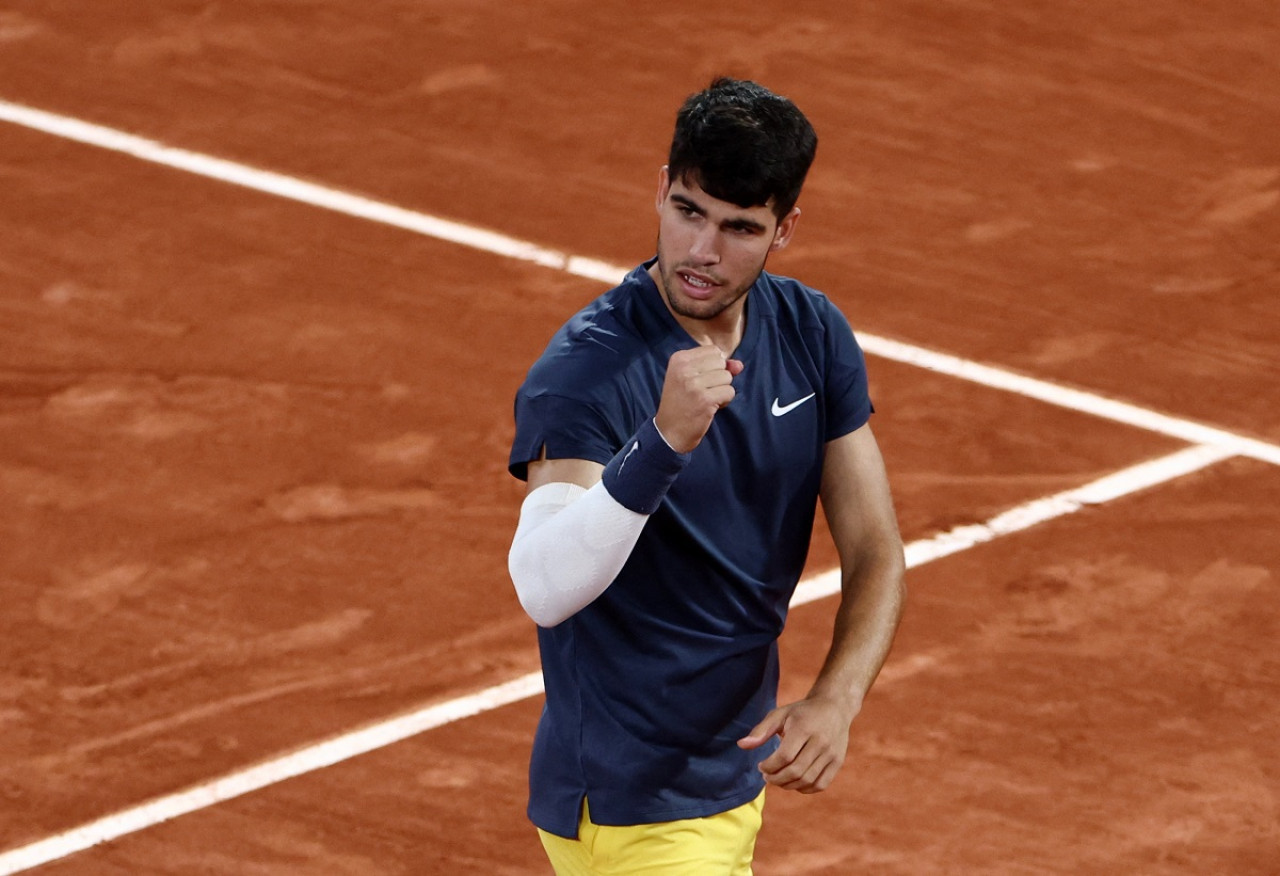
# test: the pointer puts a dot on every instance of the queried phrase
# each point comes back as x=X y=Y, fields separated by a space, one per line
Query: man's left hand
x=815 y=738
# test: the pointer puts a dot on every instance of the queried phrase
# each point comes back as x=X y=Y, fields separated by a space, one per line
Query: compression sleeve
x=571 y=542
x=569 y=545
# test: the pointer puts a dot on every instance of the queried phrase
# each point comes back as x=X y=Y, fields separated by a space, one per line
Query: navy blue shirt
x=649 y=687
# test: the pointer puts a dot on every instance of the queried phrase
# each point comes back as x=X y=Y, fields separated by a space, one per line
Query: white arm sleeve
x=570 y=544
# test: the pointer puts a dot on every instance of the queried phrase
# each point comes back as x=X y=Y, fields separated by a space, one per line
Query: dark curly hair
x=742 y=143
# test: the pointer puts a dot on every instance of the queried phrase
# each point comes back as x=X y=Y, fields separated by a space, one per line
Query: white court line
x=593 y=269
x=961 y=538
x=349 y=745
x=1075 y=399
x=1217 y=445
x=229 y=787
x=304 y=192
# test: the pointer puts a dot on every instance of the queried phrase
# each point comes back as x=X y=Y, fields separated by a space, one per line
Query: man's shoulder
x=597 y=345
x=786 y=298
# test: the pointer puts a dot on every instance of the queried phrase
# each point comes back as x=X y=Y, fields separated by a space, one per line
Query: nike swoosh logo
x=779 y=410
x=634 y=448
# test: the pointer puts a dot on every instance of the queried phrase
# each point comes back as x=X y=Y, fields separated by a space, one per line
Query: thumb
x=764 y=731
x=735 y=366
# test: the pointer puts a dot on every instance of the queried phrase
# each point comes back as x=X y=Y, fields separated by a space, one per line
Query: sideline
x=1211 y=445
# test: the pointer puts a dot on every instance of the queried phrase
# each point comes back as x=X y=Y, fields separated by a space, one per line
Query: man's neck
x=725 y=331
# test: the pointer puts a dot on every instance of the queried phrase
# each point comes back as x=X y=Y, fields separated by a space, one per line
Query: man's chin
x=694 y=309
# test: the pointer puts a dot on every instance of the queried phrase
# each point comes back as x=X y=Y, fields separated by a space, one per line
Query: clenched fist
x=699 y=383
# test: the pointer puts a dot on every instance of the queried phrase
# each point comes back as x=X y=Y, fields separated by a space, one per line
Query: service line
x=1210 y=445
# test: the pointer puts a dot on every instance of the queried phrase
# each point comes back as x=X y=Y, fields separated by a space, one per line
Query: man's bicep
x=582 y=472
x=856 y=499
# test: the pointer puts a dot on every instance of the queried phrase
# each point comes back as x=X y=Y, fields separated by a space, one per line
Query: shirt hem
x=706 y=809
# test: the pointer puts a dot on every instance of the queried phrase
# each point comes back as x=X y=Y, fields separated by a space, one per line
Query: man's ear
x=786 y=228
x=664 y=186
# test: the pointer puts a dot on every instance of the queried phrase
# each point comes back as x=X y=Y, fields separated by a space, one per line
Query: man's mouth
x=696 y=282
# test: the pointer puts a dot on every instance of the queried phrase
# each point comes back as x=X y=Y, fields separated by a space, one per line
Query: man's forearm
x=871 y=604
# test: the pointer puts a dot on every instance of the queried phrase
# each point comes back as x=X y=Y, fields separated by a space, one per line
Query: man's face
x=711 y=251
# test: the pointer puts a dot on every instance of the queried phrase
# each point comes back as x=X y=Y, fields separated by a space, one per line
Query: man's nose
x=706 y=245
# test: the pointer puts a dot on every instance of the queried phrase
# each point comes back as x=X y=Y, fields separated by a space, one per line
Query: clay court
x=270 y=274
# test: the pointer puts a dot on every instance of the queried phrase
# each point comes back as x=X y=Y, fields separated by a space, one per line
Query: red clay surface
x=253 y=454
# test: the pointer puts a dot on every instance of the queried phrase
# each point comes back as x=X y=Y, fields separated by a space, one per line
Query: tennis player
x=676 y=436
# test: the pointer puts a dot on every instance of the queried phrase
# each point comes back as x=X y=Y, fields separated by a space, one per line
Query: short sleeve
x=567 y=428
x=848 y=398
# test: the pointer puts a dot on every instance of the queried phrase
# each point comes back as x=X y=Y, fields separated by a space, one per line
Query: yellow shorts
x=718 y=845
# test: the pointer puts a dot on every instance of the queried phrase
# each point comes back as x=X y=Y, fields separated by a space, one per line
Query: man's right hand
x=698 y=384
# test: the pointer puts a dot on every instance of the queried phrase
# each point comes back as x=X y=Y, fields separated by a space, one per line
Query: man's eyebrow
x=740 y=223
x=688 y=202
x=745 y=224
